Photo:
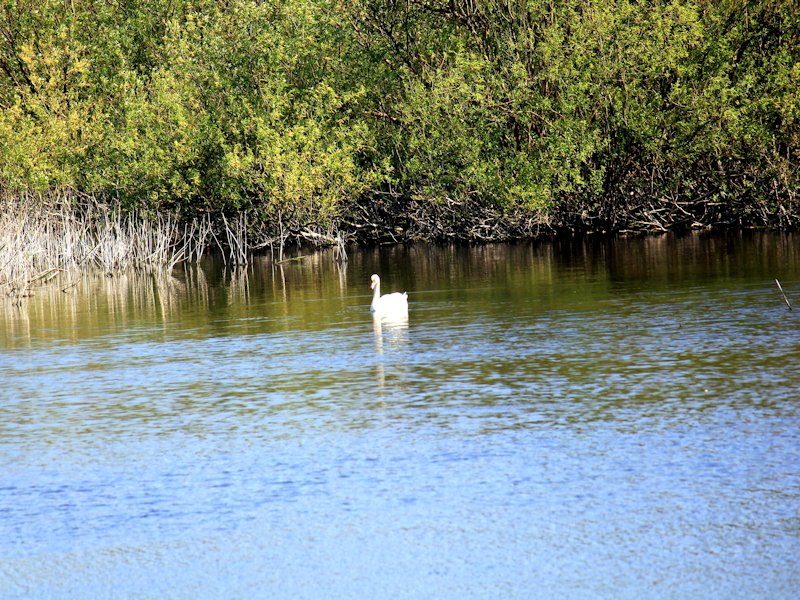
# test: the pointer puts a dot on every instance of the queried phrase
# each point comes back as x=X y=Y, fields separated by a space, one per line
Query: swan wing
x=391 y=303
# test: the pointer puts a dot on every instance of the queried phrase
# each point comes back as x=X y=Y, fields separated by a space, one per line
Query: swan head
x=374 y=281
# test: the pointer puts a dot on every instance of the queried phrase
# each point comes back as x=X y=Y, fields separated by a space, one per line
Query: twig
x=785 y=299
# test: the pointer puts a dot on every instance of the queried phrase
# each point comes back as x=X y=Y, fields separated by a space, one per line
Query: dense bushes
x=581 y=113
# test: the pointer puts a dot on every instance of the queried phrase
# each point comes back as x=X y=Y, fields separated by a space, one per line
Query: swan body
x=388 y=305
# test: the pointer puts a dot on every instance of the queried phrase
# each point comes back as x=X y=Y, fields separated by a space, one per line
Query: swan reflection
x=391 y=334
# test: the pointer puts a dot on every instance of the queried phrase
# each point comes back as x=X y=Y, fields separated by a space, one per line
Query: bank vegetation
x=258 y=123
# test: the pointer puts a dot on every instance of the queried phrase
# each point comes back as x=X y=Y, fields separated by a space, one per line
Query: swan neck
x=376 y=294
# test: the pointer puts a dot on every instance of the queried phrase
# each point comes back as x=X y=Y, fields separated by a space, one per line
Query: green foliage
x=202 y=107
x=293 y=110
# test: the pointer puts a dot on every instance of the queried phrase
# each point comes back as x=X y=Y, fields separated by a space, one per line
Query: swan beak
x=372 y=285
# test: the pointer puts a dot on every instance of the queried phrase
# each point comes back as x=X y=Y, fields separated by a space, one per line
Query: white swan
x=388 y=305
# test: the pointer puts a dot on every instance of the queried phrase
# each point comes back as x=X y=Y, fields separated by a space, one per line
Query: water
x=580 y=419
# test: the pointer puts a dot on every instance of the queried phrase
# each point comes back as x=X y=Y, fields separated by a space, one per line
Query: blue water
x=540 y=427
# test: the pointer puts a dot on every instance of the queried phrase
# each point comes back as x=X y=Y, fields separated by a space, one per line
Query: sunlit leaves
x=293 y=109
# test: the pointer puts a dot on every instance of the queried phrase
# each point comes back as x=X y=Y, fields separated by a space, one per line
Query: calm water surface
x=616 y=419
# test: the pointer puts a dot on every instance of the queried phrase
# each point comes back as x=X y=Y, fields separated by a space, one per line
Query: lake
x=588 y=418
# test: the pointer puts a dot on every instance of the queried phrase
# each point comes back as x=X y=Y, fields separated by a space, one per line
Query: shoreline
x=42 y=237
